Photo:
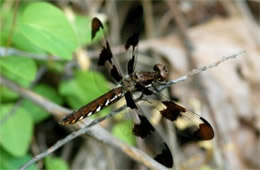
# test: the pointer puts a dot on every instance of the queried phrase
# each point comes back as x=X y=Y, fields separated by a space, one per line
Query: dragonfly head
x=161 y=71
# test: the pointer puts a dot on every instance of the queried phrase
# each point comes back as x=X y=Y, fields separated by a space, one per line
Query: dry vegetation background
x=183 y=35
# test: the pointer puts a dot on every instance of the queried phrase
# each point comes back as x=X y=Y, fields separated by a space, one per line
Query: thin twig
x=201 y=69
x=97 y=131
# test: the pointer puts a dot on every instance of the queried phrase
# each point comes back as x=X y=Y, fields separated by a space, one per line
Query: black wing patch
x=165 y=157
x=131 y=64
x=106 y=56
x=131 y=33
x=153 y=143
x=200 y=129
x=144 y=128
x=130 y=101
x=96 y=25
x=135 y=21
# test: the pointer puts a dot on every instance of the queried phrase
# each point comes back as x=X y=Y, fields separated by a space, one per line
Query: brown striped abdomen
x=93 y=107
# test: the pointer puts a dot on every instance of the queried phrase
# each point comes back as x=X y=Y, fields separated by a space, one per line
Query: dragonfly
x=143 y=82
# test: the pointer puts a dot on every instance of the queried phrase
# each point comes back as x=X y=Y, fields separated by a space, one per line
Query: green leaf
x=86 y=87
x=123 y=131
x=18 y=39
x=8 y=161
x=16 y=131
x=83 y=29
x=1 y=3
x=47 y=27
x=37 y=113
x=19 y=69
x=7 y=95
x=53 y=163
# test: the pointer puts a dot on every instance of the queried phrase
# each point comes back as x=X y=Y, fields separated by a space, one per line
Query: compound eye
x=157 y=67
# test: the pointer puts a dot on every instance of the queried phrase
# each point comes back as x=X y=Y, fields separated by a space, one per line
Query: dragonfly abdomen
x=94 y=107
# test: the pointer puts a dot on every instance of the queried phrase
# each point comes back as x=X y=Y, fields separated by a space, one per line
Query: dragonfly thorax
x=129 y=83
